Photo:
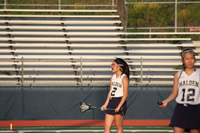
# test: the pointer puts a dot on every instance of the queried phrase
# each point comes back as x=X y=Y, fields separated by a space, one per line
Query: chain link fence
x=136 y=16
x=160 y=16
x=58 y=4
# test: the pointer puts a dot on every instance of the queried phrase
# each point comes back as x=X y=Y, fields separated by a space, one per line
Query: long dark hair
x=125 y=67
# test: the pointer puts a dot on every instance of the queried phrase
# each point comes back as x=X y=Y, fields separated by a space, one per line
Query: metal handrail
x=99 y=78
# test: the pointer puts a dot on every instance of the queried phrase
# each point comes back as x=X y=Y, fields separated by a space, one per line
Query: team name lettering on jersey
x=189 y=88
x=117 y=84
x=189 y=83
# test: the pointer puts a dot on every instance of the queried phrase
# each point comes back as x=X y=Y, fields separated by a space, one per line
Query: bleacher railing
x=86 y=71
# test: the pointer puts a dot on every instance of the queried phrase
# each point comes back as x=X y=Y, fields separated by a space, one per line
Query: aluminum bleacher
x=77 y=50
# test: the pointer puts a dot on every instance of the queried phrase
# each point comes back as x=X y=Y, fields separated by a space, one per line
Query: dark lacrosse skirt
x=187 y=117
x=113 y=103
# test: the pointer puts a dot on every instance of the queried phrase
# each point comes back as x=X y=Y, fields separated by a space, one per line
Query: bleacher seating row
x=51 y=70
x=77 y=50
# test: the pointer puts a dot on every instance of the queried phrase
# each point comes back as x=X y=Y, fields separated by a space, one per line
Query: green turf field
x=87 y=129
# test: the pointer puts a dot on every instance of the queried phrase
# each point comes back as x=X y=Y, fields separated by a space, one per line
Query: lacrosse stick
x=86 y=107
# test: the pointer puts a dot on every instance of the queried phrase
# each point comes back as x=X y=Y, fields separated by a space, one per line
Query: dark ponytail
x=125 y=67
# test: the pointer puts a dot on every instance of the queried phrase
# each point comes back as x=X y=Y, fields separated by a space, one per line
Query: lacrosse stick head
x=84 y=107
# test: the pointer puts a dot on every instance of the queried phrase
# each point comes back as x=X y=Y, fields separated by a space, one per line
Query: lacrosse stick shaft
x=86 y=107
x=100 y=108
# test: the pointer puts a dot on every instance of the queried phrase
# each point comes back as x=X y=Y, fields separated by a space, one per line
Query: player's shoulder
x=114 y=75
x=177 y=74
x=125 y=77
x=197 y=71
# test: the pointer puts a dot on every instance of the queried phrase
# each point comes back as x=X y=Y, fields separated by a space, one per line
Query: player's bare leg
x=108 y=123
x=118 y=123
x=179 y=130
x=194 y=131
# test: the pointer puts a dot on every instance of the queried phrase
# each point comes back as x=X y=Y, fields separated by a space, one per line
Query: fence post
x=22 y=80
x=4 y=4
x=150 y=32
x=81 y=63
x=126 y=15
x=59 y=1
x=141 y=71
x=175 y=15
x=113 y=4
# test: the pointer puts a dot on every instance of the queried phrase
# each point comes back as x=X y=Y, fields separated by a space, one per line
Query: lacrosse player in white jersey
x=186 y=92
x=117 y=96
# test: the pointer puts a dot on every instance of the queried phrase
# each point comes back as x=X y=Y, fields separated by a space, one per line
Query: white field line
x=59 y=131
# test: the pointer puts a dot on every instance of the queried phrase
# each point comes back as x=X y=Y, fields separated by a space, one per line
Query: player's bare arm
x=174 y=93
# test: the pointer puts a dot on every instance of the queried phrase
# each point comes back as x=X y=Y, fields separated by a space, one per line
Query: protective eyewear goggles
x=187 y=51
x=113 y=65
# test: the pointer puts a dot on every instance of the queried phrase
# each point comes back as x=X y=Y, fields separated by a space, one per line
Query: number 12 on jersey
x=188 y=94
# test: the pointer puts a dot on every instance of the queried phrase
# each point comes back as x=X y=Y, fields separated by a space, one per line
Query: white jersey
x=117 y=86
x=188 y=88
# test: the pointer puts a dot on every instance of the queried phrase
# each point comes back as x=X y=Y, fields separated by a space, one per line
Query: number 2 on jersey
x=113 y=92
x=189 y=95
